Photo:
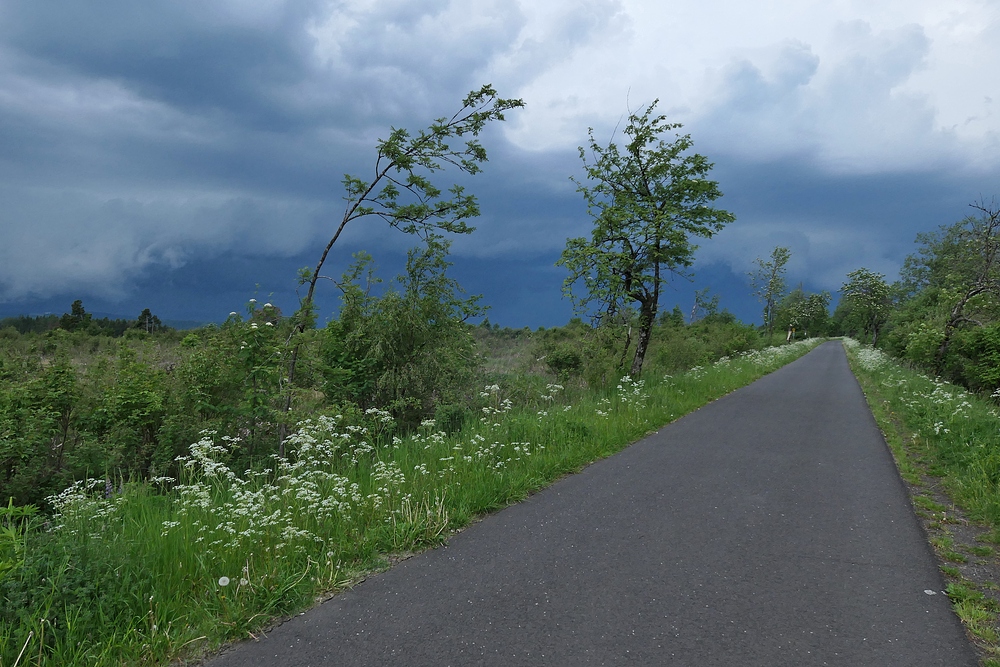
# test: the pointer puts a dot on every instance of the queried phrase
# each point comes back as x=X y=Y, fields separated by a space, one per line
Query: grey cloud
x=847 y=113
x=142 y=136
x=61 y=241
x=832 y=223
x=178 y=52
x=575 y=27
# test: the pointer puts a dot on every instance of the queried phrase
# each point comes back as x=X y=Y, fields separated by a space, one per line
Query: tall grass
x=145 y=572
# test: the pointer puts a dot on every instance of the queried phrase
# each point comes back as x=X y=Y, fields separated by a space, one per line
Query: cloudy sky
x=186 y=156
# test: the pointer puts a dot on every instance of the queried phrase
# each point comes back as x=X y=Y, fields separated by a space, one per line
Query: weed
x=951 y=571
x=928 y=503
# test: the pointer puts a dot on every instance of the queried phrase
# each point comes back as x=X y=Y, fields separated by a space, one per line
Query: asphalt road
x=769 y=528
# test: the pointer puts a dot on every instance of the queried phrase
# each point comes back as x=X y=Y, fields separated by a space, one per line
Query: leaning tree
x=403 y=192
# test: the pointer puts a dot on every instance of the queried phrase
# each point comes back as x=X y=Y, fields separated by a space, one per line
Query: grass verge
x=145 y=573
x=945 y=443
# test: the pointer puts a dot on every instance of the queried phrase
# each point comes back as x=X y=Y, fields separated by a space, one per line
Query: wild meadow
x=146 y=571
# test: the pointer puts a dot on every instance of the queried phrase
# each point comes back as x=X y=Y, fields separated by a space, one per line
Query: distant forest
x=78 y=319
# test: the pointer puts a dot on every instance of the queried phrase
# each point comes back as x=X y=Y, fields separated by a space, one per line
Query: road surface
x=768 y=528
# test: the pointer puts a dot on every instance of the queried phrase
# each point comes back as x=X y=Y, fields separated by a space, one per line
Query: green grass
x=943 y=431
x=928 y=503
x=977 y=612
x=938 y=425
x=175 y=568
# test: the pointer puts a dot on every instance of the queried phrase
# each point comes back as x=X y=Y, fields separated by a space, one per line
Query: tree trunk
x=957 y=316
x=647 y=314
x=628 y=344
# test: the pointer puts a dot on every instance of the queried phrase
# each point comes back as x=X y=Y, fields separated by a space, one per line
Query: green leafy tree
x=130 y=412
x=148 y=322
x=648 y=199
x=975 y=281
x=868 y=296
x=77 y=318
x=799 y=311
x=39 y=427
x=949 y=293
x=705 y=305
x=768 y=282
x=402 y=191
x=814 y=314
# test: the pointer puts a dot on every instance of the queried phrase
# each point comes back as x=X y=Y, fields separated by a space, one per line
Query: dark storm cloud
x=190 y=154
x=140 y=135
x=834 y=224
x=187 y=55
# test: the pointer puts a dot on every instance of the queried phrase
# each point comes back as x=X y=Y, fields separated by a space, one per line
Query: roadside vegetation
x=943 y=314
x=933 y=382
x=144 y=568
x=944 y=440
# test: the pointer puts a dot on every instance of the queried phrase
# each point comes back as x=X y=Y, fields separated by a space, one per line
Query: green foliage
x=702 y=343
x=564 y=360
x=76 y=318
x=948 y=299
x=146 y=573
x=14 y=523
x=408 y=350
x=805 y=313
x=593 y=355
x=978 y=352
x=769 y=283
x=402 y=192
x=26 y=324
x=866 y=298
x=39 y=427
x=563 y=349
x=79 y=320
x=705 y=305
x=648 y=200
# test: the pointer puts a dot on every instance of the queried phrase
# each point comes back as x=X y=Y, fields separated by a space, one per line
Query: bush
x=980 y=348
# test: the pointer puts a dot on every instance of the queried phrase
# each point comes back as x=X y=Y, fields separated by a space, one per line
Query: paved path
x=769 y=528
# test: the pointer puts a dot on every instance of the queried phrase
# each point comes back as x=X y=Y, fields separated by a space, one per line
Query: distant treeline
x=78 y=319
x=943 y=314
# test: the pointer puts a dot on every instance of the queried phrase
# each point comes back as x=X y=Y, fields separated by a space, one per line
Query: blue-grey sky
x=186 y=156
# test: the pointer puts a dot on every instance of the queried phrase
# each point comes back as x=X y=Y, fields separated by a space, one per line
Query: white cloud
x=857 y=85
